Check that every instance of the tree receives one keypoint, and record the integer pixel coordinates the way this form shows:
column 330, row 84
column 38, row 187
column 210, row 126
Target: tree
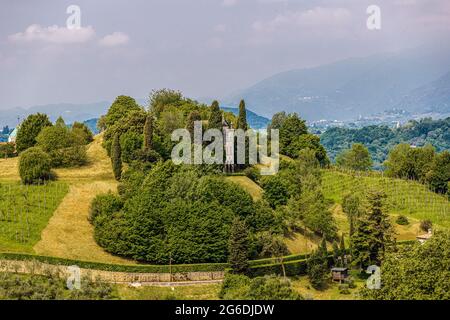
column 215, row 116
column 60, row 122
column 192, row 118
column 116, row 157
column 159, row 99
column 415, row 272
column 242, row 117
column 275, row 191
column 373, row 233
column 317, row 267
column 238, row 246
column 34, row 166
column 130, row 145
column 120, row 108
column 276, row 248
column 351, row 207
column 148, row 133
column 356, row 158
column 291, row 129
column 30, row 129
column 308, row 141
column 439, row 175
column 82, row 132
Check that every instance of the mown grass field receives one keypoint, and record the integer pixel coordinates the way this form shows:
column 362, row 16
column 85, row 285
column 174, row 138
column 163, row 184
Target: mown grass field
column 191, row 292
column 25, row 212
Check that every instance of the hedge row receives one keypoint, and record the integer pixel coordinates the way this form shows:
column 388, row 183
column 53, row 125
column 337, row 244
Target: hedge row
column 294, row 264
column 143, row 268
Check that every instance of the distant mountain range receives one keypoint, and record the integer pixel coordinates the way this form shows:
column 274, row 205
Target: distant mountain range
column 415, row 80
column 89, row 113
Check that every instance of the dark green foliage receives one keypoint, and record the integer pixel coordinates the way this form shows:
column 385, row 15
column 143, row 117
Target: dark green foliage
column 159, row 99
column 50, row 287
column 357, row 158
column 416, row 272
column 173, row 213
column 426, row 225
column 402, row 220
column 120, row 108
column 65, row 147
column 215, row 117
column 439, row 175
column 239, row 287
column 381, row 139
column 82, row 132
column 317, row 267
column 34, row 166
column 130, row 145
column 192, row 118
column 238, row 246
column 291, row 128
column 148, row 132
column 276, row 192
column 133, row 121
column 373, row 233
column 7, row 150
column 308, row 141
column 410, row 163
column 30, row 129
column 242, row 118
column 253, row 174
column 116, row 157
column 351, row 205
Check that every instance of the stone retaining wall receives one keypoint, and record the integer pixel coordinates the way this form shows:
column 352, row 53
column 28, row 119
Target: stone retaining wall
column 39, row 268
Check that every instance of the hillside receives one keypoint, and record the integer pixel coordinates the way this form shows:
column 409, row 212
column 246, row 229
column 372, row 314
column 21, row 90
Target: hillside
column 380, row 139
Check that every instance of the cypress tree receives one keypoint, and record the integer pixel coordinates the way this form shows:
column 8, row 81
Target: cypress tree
column 192, row 117
column 116, row 157
column 242, row 118
column 215, row 117
column 148, row 133
column 60, row 122
column 238, row 246
column 373, row 233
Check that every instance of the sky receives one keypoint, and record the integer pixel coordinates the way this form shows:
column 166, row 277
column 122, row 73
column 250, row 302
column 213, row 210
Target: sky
column 204, row 48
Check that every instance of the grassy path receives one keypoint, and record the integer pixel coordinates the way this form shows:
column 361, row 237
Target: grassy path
column 249, row 185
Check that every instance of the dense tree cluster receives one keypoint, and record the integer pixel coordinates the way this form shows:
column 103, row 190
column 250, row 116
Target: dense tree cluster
column 356, row 158
column 416, row 272
column 56, row 146
column 381, row 139
column 422, row 164
column 175, row 213
column 294, row 137
column 296, row 193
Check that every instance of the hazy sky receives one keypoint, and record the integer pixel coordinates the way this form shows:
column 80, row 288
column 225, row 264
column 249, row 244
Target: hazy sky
column 205, row 48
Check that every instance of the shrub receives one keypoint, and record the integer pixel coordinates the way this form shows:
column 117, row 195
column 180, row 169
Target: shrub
column 30, row 129
column 82, row 133
column 426, row 225
column 402, row 220
column 34, row 166
column 253, row 174
column 7, row 150
column 344, row 288
column 238, row 287
column 130, row 143
column 65, row 148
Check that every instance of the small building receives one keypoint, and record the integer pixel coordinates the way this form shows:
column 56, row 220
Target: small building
column 339, row 274
column 13, row 136
column 422, row 238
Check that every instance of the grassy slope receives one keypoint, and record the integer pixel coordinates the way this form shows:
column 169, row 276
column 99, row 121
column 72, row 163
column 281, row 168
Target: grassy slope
column 249, row 185
column 68, row 233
